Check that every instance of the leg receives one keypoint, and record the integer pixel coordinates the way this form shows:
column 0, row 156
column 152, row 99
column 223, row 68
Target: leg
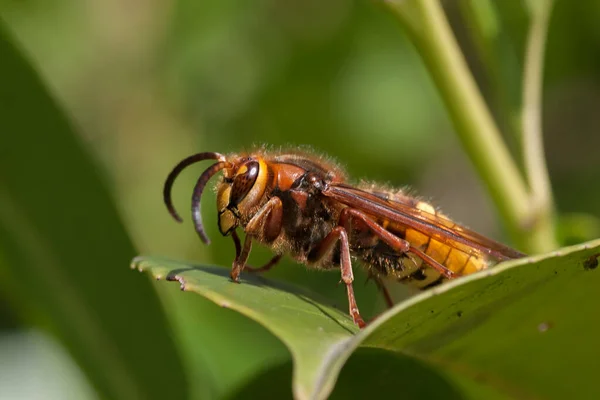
column 398, row 244
column 236, row 243
column 384, row 291
column 325, row 247
column 240, row 262
column 238, row 249
column 432, row 263
column 272, row 262
column 266, row 223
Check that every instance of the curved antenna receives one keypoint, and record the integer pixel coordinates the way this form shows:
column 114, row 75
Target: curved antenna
column 175, row 172
column 198, row 189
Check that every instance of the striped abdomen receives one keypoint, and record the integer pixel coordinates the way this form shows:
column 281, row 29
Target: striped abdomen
column 384, row 261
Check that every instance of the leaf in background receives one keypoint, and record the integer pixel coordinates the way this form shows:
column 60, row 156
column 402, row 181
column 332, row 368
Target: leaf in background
column 527, row 328
column 64, row 247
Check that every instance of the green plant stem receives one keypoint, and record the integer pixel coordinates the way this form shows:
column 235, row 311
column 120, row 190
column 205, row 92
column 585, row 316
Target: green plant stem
column 429, row 30
column 501, row 68
column 533, row 145
column 483, row 25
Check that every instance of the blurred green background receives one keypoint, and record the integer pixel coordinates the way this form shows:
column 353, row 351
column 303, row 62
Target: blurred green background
column 148, row 82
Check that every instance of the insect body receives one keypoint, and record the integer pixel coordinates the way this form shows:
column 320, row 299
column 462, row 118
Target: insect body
column 301, row 205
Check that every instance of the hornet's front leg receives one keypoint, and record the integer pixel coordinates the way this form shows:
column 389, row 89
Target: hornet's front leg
column 264, row 268
column 265, row 224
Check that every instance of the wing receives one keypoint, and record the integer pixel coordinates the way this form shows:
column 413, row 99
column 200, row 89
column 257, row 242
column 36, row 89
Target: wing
column 435, row 225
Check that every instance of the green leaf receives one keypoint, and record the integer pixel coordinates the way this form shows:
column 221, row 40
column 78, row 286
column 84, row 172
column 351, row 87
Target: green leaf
column 509, row 331
column 63, row 247
column 528, row 327
column 312, row 330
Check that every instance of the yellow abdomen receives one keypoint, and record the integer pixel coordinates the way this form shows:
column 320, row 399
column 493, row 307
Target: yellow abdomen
column 460, row 259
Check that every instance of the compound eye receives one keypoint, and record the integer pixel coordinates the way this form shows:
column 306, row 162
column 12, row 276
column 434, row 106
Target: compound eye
column 243, row 181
